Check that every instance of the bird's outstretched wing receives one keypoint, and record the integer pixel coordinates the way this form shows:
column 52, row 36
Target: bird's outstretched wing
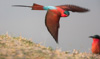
column 73, row 8
column 52, row 23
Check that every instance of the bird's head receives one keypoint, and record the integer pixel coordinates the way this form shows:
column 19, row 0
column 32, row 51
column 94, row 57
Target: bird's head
column 95, row 36
column 67, row 13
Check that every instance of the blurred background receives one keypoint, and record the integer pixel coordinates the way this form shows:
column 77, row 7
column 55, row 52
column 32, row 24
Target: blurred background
column 74, row 30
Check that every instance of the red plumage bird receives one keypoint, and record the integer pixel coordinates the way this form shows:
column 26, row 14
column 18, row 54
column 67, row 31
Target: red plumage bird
column 54, row 13
column 95, row 44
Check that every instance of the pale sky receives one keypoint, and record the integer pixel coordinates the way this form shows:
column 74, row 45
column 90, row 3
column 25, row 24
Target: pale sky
column 74, row 30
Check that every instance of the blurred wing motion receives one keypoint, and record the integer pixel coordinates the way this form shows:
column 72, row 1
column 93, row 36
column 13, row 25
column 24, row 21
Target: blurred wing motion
column 52, row 23
column 73, row 8
column 34, row 7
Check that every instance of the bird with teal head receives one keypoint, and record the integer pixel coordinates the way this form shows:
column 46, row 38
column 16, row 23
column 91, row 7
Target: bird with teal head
column 53, row 15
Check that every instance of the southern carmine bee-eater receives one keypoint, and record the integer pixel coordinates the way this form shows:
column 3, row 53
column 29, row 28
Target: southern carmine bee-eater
column 53, row 15
column 95, row 44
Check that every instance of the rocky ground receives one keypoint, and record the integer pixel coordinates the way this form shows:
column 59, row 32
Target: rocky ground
column 22, row 48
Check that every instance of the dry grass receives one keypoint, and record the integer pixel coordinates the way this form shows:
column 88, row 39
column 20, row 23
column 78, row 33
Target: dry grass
column 21, row 48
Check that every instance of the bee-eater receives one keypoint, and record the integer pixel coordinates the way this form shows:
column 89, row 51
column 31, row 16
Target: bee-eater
column 95, row 44
column 53, row 15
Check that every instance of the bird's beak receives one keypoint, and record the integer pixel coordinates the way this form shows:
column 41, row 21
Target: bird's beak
column 91, row 36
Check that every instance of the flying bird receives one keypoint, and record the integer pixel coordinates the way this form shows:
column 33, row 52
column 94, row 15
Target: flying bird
column 95, row 44
column 53, row 15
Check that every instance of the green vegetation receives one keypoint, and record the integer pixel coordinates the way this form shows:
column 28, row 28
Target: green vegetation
column 22, row 48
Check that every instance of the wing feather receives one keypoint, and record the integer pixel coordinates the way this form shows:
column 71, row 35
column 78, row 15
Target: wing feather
column 73, row 8
column 52, row 23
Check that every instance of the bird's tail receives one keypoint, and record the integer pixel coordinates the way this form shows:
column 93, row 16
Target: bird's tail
column 37, row 7
column 34, row 7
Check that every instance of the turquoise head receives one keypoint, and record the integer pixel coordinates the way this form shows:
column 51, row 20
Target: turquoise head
column 67, row 13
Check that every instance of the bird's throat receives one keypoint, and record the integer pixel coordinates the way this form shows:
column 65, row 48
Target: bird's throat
column 96, row 40
column 62, row 12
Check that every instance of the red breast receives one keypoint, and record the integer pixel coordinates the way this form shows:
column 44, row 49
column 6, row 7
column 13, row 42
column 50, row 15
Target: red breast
column 96, row 46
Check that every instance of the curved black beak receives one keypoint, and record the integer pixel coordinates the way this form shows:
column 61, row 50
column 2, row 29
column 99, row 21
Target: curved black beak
column 91, row 36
